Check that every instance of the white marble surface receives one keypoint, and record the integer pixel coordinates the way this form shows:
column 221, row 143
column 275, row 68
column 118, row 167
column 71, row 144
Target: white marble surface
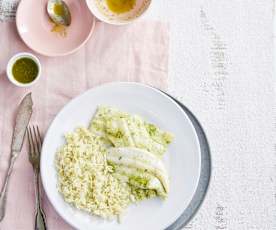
column 221, row 67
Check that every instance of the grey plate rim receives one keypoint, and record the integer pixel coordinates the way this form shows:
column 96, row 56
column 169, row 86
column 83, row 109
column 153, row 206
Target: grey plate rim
column 205, row 173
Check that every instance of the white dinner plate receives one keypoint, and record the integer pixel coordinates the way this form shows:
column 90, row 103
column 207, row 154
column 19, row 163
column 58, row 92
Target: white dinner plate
column 182, row 159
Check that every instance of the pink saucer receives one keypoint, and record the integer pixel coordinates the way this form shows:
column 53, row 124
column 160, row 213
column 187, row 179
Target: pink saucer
column 34, row 27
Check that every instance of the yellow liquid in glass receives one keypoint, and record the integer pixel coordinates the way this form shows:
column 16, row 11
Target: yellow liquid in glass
column 120, row 6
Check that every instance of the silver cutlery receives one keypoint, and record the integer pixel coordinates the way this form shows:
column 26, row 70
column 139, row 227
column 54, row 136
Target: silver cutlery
column 59, row 12
column 21, row 122
column 35, row 143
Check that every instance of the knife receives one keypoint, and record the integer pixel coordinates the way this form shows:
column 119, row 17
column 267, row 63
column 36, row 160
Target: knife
column 21, row 122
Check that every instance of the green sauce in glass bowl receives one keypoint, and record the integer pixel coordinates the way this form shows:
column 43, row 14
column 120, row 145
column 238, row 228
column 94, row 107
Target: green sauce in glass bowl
column 25, row 70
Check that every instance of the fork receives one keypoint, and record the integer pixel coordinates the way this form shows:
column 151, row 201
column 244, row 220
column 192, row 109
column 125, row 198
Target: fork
column 35, row 142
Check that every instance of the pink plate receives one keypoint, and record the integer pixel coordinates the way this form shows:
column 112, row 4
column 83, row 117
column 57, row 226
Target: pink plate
column 34, row 27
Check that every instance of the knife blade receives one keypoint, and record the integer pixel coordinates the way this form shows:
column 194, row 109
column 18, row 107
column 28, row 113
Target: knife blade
column 21, row 122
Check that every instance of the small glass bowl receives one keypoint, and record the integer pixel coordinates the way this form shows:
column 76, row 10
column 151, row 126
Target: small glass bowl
column 101, row 11
column 11, row 63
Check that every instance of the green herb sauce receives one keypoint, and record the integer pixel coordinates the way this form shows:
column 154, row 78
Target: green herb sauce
column 25, row 70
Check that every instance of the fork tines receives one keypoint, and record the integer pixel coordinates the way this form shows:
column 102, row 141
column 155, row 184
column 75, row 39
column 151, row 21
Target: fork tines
column 35, row 143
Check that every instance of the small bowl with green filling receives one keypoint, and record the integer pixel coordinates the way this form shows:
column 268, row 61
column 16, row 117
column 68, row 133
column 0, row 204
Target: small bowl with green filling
column 23, row 69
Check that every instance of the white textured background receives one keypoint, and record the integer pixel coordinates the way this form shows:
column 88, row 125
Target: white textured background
column 221, row 67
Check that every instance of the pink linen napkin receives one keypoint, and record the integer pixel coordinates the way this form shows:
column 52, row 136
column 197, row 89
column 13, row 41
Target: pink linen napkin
column 137, row 52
